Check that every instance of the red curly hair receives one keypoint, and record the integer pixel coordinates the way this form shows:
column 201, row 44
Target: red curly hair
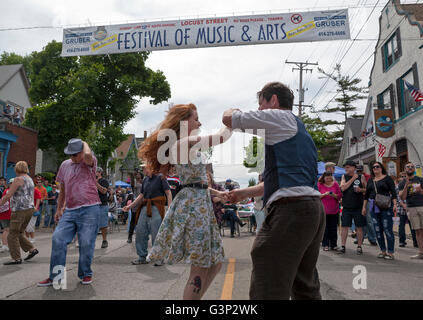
column 150, row 147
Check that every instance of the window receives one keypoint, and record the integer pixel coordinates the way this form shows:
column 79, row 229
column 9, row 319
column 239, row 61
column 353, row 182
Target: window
column 406, row 102
column 385, row 100
column 391, row 50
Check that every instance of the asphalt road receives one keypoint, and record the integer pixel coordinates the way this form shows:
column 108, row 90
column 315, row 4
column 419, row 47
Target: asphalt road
column 115, row 278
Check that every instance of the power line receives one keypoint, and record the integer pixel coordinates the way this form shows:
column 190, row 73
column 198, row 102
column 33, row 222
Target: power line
column 321, row 88
column 276, row 11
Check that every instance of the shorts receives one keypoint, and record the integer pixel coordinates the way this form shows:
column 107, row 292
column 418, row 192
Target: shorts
column 103, row 216
column 31, row 225
column 415, row 216
column 5, row 223
column 349, row 214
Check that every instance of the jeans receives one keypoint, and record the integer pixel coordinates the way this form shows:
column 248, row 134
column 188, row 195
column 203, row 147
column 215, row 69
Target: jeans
column 145, row 227
column 259, row 218
column 49, row 215
column 38, row 222
column 232, row 218
column 369, row 230
column 330, row 237
column 383, row 224
column 129, row 221
column 401, row 230
column 84, row 222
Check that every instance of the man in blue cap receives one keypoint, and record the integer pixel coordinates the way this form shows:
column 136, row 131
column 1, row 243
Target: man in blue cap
column 78, row 190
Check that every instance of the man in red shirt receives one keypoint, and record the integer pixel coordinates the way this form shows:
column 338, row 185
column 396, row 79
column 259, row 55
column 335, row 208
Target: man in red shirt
column 78, row 191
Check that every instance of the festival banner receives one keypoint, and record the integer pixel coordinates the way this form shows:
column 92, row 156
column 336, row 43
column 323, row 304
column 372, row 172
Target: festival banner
column 207, row 32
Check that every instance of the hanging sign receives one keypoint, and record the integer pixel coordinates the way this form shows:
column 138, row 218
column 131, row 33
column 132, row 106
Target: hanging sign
column 207, row 32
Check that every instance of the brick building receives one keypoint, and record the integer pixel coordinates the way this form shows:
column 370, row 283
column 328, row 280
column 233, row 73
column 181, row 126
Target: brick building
column 16, row 141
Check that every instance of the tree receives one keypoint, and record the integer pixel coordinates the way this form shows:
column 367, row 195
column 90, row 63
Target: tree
column 13, row 58
column 254, row 155
column 349, row 91
column 252, row 182
column 90, row 97
column 322, row 138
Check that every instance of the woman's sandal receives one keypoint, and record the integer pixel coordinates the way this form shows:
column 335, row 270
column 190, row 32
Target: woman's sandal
column 326, row 249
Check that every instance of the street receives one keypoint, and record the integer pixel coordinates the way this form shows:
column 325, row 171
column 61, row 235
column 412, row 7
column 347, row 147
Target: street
column 115, row 278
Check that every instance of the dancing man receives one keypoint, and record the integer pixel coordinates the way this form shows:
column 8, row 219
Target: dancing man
column 286, row 248
column 78, row 189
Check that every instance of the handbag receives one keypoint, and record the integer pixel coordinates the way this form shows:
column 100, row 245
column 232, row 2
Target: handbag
column 382, row 201
column 36, row 213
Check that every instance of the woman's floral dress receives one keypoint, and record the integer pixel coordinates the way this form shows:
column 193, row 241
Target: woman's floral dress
column 189, row 232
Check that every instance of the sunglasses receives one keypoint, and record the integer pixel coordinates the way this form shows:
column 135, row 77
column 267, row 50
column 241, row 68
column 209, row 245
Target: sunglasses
column 74, row 155
column 411, row 167
column 376, row 167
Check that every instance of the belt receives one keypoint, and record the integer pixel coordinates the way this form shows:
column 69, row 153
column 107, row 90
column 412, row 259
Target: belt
column 195, row 185
column 293, row 199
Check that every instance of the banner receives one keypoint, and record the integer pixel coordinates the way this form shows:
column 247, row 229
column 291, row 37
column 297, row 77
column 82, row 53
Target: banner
column 207, row 32
column 384, row 122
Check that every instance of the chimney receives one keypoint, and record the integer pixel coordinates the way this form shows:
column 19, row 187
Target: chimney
column 145, row 134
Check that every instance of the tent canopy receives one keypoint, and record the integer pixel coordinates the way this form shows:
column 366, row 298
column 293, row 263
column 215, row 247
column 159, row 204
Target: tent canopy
column 321, row 169
column 122, row 184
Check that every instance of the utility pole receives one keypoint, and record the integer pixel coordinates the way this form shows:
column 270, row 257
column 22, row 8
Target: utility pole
column 301, row 68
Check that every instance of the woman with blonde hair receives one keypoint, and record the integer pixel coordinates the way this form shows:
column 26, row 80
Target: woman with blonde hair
column 21, row 195
column 189, row 231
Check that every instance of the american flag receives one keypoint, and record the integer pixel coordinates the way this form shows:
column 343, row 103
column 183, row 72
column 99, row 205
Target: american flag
column 382, row 150
column 415, row 93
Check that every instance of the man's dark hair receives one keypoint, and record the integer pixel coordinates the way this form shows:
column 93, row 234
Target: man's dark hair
column 405, row 165
column 284, row 94
column 3, row 178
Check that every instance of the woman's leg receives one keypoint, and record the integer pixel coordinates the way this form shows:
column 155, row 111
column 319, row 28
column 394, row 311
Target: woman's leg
column 195, row 286
column 211, row 274
column 4, row 236
column 325, row 242
column 377, row 223
column 333, row 230
column 388, row 225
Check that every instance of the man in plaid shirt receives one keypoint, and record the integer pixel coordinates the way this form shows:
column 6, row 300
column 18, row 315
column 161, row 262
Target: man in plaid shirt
column 402, row 212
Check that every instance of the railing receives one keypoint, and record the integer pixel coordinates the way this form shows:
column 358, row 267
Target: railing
column 11, row 112
column 363, row 144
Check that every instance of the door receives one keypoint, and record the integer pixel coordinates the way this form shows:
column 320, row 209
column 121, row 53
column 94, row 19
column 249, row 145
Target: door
column 392, row 166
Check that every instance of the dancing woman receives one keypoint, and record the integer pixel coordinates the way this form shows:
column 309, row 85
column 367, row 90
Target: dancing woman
column 189, row 231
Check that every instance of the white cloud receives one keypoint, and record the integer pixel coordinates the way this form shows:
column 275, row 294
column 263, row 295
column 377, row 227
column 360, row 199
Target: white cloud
column 215, row 78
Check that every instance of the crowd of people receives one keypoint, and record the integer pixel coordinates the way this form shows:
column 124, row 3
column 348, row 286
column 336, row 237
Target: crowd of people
column 371, row 203
column 181, row 207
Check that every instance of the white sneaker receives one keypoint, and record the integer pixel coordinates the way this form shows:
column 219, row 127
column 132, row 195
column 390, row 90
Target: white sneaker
column 77, row 245
column 4, row 249
column 32, row 240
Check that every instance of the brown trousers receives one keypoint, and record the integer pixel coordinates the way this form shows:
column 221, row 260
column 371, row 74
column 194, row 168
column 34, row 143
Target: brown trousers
column 16, row 238
column 286, row 250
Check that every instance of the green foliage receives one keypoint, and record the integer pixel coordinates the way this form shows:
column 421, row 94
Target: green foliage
column 252, row 182
column 13, row 58
column 90, row 97
column 349, row 92
column 254, row 155
column 47, row 176
column 348, row 89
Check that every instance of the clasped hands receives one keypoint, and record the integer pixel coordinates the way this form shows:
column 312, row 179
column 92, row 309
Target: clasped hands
column 233, row 196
